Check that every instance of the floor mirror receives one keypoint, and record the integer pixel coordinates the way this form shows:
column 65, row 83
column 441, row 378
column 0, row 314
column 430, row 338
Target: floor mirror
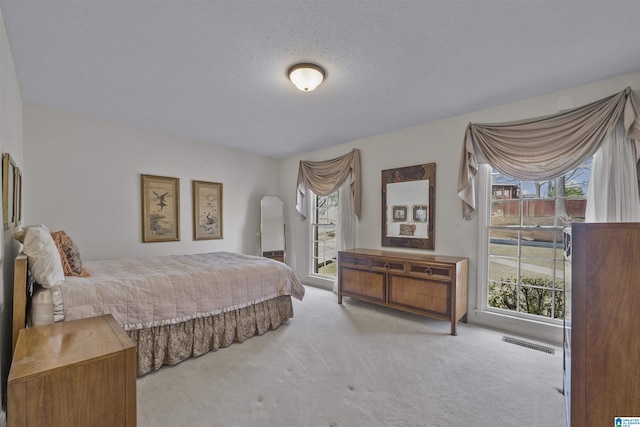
column 272, row 228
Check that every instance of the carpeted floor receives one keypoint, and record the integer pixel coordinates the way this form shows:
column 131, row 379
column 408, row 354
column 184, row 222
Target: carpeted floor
column 359, row 365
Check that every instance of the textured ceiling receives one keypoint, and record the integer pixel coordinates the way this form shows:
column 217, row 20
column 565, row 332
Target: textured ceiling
column 216, row 70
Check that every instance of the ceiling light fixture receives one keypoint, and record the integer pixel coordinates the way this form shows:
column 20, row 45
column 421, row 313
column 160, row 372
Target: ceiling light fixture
column 306, row 76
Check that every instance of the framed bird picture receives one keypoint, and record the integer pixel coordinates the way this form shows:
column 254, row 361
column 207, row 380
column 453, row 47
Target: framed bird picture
column 207, row 210
column 160, row 208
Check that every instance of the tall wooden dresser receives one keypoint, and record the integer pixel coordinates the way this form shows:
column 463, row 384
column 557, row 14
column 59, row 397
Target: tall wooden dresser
column 602, row 324
column 430, row 285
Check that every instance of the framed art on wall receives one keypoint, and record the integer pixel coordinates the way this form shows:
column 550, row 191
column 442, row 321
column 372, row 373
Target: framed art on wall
column 207, row 210
column 160, row 208
column 17, row 197
column 11, row 192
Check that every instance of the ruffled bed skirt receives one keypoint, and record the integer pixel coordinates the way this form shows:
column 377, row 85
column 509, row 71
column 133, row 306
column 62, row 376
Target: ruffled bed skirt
column 171, row 344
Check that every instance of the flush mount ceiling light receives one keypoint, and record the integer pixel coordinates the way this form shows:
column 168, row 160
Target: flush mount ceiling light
column 306, row 76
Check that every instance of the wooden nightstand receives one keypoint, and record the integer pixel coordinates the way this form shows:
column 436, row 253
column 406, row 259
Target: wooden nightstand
column 76, row 373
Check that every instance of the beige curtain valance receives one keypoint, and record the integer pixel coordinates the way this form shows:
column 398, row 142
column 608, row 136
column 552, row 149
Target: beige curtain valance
column 544, row 147
column 325, row 177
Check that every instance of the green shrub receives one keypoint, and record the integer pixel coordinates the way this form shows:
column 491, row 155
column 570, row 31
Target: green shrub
column 535, row 295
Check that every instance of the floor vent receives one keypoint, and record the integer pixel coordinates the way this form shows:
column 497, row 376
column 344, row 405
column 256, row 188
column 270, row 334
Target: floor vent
column 526, row 344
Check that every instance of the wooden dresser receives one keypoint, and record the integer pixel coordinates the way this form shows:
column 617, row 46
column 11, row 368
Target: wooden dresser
column 602, row 317
column 74, row 374
column 277, row 255
column 431, row 285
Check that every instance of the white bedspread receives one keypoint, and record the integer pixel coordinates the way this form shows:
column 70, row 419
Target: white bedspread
column 149, row 292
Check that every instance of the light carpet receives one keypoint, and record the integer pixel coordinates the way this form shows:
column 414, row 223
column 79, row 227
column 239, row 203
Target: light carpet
column 359, row 364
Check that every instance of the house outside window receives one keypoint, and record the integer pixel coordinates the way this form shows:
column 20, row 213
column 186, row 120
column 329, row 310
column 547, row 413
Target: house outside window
column 323, row 239
column 505, row 191
column 525, row 259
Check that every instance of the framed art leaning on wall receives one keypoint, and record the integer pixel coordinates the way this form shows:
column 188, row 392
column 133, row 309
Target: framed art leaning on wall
column 160, row 208
column 207, row 210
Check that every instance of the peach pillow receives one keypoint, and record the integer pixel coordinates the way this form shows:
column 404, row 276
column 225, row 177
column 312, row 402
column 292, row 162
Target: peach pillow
column 69, row 255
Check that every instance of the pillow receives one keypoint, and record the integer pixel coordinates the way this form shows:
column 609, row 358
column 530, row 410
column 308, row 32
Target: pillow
column 43, row 259
column 19, row 235
column 69, row 255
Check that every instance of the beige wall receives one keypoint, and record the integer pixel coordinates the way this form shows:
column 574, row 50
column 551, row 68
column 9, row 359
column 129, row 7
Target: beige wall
column 83, row 176
column 10, row 142
column 439, row 142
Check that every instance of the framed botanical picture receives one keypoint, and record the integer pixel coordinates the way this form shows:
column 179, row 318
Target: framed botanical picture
column 207, row 210
column 160, row 208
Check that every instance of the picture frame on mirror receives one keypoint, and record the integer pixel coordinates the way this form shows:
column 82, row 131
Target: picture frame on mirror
column 419, row 213
column 399, row 213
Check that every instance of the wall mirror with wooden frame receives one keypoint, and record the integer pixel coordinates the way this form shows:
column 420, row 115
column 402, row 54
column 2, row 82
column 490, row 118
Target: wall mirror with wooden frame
column 408, row 206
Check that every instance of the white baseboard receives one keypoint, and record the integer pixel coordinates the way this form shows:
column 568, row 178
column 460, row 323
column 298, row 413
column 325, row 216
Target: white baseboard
column 3, row 418
column 539, row 331
column 319, row 282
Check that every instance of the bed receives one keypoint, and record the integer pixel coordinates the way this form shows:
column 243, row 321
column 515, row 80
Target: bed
column 172, row 307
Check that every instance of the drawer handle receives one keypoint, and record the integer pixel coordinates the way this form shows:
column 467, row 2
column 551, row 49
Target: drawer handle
column 387, row 265
column 428, row 271
column 354, row 261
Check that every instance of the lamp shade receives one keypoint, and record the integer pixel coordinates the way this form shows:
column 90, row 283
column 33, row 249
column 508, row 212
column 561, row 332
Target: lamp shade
column 306, row 76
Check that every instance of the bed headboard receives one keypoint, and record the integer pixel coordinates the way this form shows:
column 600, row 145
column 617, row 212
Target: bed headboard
column 20, row 290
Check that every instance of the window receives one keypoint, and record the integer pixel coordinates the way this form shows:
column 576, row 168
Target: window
column 323, row 228
column 525, row 260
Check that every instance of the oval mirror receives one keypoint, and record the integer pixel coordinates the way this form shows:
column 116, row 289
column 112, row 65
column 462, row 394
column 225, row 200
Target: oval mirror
column 272, row 231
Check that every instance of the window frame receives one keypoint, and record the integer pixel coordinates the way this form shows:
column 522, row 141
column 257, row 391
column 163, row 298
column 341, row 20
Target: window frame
column 542, row 331
column 519, row 257
column 314, row 225
column 545, row 328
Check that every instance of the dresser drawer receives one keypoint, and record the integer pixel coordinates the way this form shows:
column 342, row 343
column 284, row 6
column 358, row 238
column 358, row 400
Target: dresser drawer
column 273, row 254
column 361, row 283
column 388, row 265
column 430, row 271
column 420, row 294
column 354, row 261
